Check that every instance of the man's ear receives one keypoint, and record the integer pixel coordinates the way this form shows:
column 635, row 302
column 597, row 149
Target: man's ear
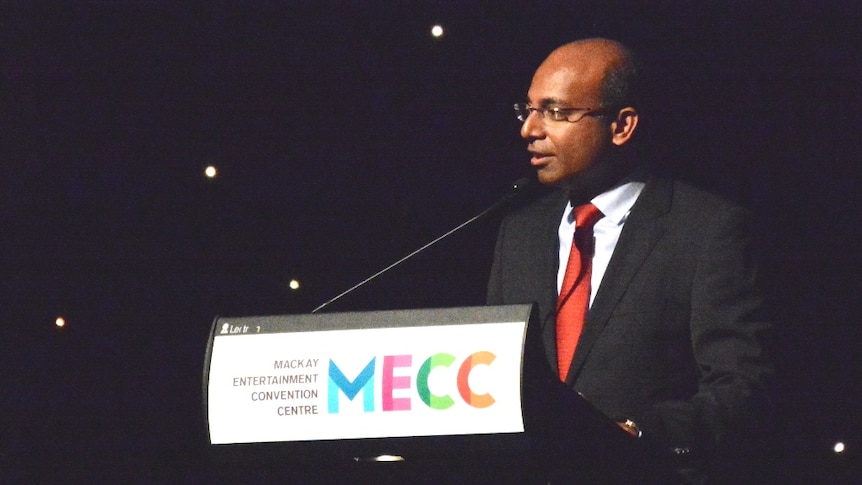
column 624, row 126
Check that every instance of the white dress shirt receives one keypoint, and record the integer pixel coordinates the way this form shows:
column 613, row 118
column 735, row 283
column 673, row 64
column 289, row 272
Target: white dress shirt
column 615, row 204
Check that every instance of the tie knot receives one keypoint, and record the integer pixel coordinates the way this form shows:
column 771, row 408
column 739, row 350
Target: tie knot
column 586, row 216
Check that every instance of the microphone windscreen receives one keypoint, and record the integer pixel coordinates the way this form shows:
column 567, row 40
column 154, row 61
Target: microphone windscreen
column 522, row 184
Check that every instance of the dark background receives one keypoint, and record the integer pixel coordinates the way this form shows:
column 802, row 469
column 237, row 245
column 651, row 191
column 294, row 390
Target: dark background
column 345, row 137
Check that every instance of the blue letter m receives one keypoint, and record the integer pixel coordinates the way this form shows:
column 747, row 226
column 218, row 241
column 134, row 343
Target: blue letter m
column 364, row 382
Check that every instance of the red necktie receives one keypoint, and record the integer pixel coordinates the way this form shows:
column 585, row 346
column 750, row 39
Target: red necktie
column 575, row 291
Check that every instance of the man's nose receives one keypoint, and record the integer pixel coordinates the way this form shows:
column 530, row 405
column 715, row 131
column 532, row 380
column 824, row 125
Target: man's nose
column 533, row 127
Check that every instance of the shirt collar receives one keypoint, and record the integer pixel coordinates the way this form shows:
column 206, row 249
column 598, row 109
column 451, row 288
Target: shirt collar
column 617, row 202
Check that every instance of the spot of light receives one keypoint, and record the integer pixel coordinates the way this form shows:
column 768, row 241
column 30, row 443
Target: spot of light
column 389, row 458
column 294, row 285
column 437, row 31
column 211, row 172
column 838, row 448
column 60, row 322
column 380, row 458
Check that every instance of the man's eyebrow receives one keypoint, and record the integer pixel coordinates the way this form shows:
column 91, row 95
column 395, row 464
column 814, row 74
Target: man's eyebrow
column 545, row 102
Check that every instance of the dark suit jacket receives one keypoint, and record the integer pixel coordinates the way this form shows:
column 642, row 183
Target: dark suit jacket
column 673, row 338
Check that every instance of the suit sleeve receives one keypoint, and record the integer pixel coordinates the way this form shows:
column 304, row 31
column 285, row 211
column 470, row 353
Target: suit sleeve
column 728, row 331
column 495, row 280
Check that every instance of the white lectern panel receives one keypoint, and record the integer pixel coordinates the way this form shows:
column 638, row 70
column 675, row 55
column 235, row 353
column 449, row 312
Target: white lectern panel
column 334, row 377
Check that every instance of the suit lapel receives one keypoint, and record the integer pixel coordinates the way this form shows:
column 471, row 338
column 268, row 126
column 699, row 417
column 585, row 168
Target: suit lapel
column 551, row 250
column 641, row 232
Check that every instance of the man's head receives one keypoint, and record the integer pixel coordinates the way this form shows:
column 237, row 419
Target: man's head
column 589, row 83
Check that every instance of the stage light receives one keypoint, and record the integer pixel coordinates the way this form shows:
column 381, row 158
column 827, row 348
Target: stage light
column 210, row 172
column 60, row 322
column 294, row 285
column 838, row 448
column 380, row 458
column 389, row 458
column 437, row 31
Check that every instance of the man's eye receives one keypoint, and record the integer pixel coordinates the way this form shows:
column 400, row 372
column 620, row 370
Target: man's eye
column 556, row 114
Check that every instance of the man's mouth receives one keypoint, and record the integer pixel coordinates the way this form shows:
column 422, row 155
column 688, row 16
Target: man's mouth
column 540, row 159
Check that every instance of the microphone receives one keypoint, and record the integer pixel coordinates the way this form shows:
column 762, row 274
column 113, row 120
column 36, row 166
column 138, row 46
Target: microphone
column 517, row 190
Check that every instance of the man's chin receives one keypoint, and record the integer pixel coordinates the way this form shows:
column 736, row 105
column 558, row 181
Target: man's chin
column 549, row 177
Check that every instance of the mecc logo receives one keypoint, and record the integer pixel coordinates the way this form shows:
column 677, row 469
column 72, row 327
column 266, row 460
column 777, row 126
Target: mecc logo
column 365, row 382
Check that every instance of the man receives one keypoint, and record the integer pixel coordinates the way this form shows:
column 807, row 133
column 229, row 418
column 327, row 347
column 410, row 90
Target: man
column 670, row 343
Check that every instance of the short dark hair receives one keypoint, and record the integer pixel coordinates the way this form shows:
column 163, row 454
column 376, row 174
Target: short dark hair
column 622, row 83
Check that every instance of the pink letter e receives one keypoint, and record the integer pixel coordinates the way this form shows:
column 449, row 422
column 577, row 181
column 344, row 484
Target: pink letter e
column 391, row 382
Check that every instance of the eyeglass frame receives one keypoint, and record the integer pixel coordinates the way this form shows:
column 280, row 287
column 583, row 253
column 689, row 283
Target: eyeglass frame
column 520, row 108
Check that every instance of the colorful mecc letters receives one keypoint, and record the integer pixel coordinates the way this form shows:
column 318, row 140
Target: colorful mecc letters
column 364, row 382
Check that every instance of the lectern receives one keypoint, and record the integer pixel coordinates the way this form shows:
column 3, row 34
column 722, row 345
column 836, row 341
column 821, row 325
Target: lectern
column 455, row 394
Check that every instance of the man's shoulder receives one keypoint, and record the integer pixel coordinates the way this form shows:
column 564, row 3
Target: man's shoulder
column 688, row 192
column 682, row 206
column 682, row 195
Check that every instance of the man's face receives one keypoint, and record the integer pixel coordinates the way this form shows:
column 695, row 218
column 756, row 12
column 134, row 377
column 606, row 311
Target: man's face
column 562, row 149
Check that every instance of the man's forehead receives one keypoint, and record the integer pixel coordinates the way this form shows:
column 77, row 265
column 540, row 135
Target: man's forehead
column 563, row 85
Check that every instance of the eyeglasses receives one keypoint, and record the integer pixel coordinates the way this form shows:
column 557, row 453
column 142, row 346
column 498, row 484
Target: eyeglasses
column 572, row 115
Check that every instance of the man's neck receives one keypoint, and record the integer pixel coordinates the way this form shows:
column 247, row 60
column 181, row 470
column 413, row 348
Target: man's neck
column 600, row 178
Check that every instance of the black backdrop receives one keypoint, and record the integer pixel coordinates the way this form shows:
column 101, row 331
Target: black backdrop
column 345, row 137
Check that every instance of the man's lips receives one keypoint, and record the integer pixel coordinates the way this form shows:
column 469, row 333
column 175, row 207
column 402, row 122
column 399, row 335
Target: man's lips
column 540, row 158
